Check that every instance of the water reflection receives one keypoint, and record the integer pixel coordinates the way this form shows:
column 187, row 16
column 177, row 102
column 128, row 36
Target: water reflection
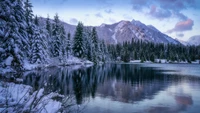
column 132, row 87
column 120, row 82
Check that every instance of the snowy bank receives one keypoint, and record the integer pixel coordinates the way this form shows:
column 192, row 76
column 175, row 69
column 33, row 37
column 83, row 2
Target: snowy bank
column 163, row 61
column 15, row 98
column 51, row 62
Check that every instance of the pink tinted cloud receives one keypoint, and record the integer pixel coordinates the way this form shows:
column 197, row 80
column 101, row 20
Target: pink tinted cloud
column 182, row 26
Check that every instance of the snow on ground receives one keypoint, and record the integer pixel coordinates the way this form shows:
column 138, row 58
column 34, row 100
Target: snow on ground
column 135, row 61
column 12, row 94
column 8, row 61
column 6, row 70
column 165, row 61
column 51, row 62
column 19, row 98
column 43, row 103
column 70, row 60
column 160, row 60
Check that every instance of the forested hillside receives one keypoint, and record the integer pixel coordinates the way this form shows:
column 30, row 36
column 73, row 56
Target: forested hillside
column 24, row 44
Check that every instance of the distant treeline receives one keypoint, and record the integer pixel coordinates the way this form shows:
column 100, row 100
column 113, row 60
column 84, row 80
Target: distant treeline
column 148, row 51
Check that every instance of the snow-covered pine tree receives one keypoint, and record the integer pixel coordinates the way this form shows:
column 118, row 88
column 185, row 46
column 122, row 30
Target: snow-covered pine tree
column 48, row 26
column 39, row 47
column 56, row 39
column 13, row 34
column 63, row 40
column 95, row 48
column 68, row 45
column 78, row 41
column 30, row 28
column 104, row 51
column 87, row 43
column 49, row 36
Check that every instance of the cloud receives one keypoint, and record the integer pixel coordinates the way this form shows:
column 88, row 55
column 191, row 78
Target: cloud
column 165, row 8
column 176, row 5
column 182, row 26
column 109, row 11
column 181, row 16
column 159, row 13
column 104, row 3
column 99, row 15
column 139, row 4
column 180, row 35
column 73, row 21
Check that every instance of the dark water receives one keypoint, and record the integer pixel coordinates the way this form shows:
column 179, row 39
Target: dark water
column 124, row 88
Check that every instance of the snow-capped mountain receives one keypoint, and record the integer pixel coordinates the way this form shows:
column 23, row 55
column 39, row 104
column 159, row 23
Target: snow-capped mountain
column 195, row 40
column 182, row 42
column 125, row 31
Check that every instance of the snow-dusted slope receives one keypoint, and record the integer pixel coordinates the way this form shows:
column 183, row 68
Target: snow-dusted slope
column 68, row 28
column 195, row 40
column 183, row 42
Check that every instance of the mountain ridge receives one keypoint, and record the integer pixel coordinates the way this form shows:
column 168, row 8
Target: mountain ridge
column 123, row 31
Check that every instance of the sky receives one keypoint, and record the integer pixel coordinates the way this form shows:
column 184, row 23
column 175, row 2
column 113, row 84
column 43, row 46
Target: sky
column 177, row 18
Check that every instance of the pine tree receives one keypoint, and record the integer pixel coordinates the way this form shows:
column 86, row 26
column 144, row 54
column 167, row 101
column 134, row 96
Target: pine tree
column 48, row 26
column 49, row 36
column 63, row 40
column 95, row 48
column 78, row 41
column 30, row 28
column 39, row 48
column 56, row 38
column 68, row 47
column 13, row 33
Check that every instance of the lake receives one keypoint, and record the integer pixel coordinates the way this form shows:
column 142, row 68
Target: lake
column 116, row 88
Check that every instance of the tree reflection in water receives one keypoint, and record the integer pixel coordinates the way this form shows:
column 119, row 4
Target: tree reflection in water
column 119, row 82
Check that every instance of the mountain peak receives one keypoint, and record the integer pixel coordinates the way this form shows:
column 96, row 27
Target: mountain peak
column 126, row 31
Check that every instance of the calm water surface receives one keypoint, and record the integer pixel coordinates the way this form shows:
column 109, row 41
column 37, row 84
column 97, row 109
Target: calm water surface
column 124, row 88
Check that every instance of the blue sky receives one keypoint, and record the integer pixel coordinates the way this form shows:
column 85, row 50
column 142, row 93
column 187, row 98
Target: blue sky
column 177, row 18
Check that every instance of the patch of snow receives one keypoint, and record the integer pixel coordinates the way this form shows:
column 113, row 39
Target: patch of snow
column 13, row 94
column 170, row 40
column 135, row 61
column 196, row 62
column 6, row 70
column 102, row 25
column 1, row 50
column 29, row 66
column 57, row 61
column 134, row 31
column 20, row 96
column 8, row 61
column 161, row 60
column 110, row 30
column 19, row 80
column 114, row 38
